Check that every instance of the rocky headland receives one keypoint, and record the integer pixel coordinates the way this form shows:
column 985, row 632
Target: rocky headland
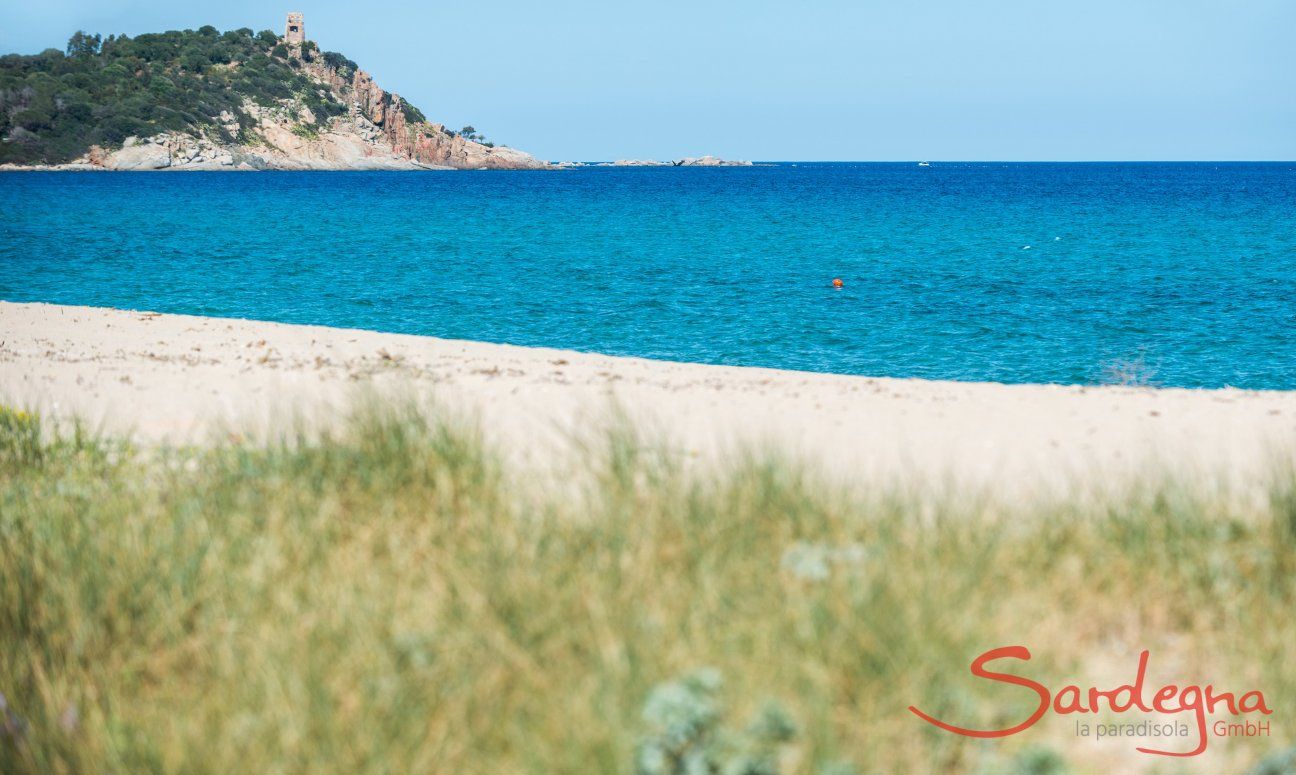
column 285, row 105
column 237, row 100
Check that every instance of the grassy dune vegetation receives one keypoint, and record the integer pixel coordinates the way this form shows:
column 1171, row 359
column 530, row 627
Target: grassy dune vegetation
column 393, row 598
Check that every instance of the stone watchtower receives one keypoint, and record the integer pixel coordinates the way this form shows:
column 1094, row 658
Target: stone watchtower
column 295, row 30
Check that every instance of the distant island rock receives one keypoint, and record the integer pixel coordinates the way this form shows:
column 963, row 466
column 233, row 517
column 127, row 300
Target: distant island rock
column 194, row 100
column 709, row 161
column 689, row 161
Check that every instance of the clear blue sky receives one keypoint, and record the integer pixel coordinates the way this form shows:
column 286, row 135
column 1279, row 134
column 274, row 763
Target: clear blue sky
column 808, row 79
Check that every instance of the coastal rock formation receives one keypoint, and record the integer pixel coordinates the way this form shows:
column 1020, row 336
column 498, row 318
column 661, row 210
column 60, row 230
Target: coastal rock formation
column 163, row 151
column 136, row 156
column 381, row 117
column 284, row 104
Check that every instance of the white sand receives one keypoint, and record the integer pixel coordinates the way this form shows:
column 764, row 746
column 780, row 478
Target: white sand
column 181, row 378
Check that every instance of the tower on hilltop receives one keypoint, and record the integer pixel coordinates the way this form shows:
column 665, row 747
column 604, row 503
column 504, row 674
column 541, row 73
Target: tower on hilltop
column 295, row 29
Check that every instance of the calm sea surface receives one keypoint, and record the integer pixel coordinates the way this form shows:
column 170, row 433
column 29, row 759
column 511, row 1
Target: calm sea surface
column 1182, row 274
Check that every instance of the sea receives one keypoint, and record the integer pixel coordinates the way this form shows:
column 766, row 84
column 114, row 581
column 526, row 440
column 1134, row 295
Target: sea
column 1169, row 274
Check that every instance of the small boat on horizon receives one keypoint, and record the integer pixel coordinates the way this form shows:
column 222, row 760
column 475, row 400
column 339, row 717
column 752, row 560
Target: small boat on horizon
column 923, row 164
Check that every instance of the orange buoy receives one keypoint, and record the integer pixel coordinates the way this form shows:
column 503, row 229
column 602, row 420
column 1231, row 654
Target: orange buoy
column 837, row 283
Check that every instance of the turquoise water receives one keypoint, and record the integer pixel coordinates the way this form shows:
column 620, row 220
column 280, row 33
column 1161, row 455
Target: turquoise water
column 1007, row 272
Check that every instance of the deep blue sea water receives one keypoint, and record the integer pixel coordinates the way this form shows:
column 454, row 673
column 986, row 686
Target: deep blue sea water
column 972, row 271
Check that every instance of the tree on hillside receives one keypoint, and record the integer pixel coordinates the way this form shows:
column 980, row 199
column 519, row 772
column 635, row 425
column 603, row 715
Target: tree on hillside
column 83, row 45
column 470, row 133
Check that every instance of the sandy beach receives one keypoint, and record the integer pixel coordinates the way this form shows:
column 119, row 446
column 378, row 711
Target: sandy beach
column 180, row 378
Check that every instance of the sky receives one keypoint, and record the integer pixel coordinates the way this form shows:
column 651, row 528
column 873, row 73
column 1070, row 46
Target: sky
column 795, row 80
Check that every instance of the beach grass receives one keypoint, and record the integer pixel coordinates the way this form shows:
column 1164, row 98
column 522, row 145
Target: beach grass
column 391, row 596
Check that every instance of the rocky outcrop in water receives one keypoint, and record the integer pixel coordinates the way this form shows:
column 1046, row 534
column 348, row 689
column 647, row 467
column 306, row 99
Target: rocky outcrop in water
column 688, row 161
column 708, row 161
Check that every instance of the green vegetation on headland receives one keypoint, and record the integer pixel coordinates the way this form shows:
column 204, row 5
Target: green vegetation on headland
column 393, row 597
column 57, row 104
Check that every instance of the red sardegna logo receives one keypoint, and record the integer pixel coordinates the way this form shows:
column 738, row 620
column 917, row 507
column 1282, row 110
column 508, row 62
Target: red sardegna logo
column 1133, row 697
